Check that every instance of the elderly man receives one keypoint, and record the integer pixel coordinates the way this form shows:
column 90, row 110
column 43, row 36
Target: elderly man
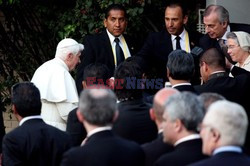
column 97, row 111
column 183, row 113
column 223, row 132
column 33, row 142
column 217, row 24
column 56, row 85
column 153, row 150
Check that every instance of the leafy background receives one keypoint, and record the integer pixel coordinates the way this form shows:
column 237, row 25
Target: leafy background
column 31, row 29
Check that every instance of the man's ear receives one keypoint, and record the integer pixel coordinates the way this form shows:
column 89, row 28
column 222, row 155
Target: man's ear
column 69, row 56
column 79, row 115
column 151, row 113
column 215, row 135
column 168, row 73
column 178, row 125
column 115, row 116
column 105, row 23
column 185, row 19
column 13, row 108
column 224, row 24
column 84, row 84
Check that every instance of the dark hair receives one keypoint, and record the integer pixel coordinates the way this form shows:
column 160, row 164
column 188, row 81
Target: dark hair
column 128, row 72
column 178, row 3
column 97, row 70
column 180, row 65
column 115, row 7
column 213, row 58
column 25, row 97
column 140, row 61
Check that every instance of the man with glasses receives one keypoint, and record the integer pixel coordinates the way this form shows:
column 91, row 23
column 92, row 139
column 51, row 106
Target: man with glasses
column 183, row 113
column 217, row 25
column 223, row 132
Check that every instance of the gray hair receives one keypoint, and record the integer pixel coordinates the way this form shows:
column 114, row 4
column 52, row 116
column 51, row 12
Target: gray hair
column 208, row 98
column 232, row 35
column 222, row 13
column 186, row 107
column 67, row 46
column 241, row 38
column 98, row 106
column 230, row 119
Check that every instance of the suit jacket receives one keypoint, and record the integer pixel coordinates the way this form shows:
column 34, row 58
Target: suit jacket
column 105, row 149
column 188, row 88
column 35, row 143
column 206, row 42
column 235, row 89
column 184, row 153
column 75, row 128
column 2, row 128
column 225, row 158
column 134, row 122
column 97, row 49
column 156, row 49
column 153, row 150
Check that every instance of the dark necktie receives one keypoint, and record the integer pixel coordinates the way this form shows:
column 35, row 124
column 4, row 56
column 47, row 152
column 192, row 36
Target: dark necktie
column 178, row 45
column 119, row 52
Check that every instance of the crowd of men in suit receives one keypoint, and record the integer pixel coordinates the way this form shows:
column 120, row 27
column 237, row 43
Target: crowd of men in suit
column 125, row 114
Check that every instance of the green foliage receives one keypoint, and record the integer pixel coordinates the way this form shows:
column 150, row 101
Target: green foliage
column 32, row 28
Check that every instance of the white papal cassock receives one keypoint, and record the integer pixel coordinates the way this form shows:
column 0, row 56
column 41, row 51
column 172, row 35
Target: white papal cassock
column 58, row 92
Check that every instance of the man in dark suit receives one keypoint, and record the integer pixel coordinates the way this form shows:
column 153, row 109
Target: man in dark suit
column 180, row 70
column 33, row 142
column 223, row 132
column 217, row 24
column 216, row 79
column 134, row 122
column 101, row 48
column 158, row 45
column 183, row 113
column 153, row 150
column 94, row 74
column 97, row 111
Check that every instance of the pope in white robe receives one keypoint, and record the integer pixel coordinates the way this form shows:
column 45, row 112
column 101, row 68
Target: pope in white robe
column 57, row 87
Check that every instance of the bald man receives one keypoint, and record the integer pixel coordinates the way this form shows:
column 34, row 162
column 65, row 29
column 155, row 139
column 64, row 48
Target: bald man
column 153, row 150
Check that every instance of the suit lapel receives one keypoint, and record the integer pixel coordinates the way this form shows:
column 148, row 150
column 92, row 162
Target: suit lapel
column 106, row 43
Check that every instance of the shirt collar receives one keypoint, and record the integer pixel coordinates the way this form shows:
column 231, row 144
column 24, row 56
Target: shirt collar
column 160, row 131
column 225, row 34
column 98, row 129
column 227, row 149
column 218, row 72
column 28, row 118
column 182, row 35
column 112, row 38
column 187, row 83
column 187, row 138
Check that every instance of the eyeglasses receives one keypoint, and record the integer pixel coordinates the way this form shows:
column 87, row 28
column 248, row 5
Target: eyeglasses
column 232, row 46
